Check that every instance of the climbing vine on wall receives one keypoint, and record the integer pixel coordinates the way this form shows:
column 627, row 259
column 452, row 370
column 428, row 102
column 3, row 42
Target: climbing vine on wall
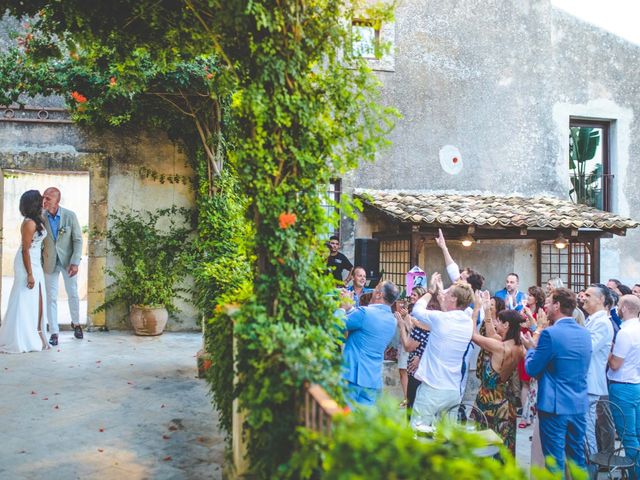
column 301, row 111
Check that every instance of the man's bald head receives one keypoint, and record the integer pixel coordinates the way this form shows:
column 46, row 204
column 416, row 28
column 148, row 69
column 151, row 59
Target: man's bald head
column 54, row 192
column 51, row 200
column 629, row 307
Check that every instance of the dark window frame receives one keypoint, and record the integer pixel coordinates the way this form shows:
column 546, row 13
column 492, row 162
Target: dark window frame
column 607, row 176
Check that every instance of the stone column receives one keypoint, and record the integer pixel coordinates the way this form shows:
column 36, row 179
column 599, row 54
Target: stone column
column 98, row 211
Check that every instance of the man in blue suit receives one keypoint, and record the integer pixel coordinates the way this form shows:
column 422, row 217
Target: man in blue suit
column 560, row 362
column 370, row 330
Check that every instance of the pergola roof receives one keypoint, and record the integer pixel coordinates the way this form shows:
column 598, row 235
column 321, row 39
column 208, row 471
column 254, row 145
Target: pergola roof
column 492, row 211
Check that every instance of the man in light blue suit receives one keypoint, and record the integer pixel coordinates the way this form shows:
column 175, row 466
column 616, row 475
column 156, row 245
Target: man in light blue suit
column 370, row 330
column 61, row 254
column 560, row 362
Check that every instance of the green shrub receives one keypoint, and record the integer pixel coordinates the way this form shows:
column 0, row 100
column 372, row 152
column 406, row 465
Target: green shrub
column 153, row 258
column 222, row 276
column 377, row 443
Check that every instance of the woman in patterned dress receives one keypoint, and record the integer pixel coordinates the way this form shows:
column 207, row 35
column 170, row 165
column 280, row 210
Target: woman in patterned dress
column 502, row 350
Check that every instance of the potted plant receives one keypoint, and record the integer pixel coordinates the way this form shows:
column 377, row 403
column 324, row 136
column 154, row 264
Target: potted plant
column 154, row 251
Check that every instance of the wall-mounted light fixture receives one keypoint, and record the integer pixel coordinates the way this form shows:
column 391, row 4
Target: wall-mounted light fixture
column 467, row 240
column 560, row 242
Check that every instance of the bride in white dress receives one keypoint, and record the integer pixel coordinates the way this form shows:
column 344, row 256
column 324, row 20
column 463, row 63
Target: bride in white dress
column 25, row 320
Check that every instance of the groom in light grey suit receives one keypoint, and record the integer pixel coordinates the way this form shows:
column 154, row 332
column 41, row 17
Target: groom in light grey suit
column 61, row 253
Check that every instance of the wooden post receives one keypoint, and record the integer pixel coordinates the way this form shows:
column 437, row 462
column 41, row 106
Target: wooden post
column 238, row 444
column 416, row 245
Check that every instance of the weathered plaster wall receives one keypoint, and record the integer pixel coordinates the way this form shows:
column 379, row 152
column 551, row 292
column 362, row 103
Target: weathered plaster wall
column 596, row 76
column 499, row 80
column 494, row 259
column 114, row 162
column 460, row 80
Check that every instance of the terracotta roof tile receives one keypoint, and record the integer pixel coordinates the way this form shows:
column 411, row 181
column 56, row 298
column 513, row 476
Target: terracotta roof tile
column 490, row 210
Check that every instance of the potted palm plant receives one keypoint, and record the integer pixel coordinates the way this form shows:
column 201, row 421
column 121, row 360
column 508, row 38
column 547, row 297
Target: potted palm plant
column 153, row 249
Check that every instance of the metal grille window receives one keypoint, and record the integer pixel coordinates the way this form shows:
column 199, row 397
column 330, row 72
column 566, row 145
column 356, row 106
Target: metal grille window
column 330, row 199
column 395, row 260
column 573, row 265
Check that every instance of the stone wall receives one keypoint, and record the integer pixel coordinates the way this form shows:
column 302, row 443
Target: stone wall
column 113, row 162
column 499, row 80
column 596, row 76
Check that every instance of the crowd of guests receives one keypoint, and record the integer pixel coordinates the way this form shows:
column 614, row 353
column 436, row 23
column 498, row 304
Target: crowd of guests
column 550, row 353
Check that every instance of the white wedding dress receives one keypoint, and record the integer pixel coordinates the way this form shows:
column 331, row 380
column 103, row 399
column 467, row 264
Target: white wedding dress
column 19, row 330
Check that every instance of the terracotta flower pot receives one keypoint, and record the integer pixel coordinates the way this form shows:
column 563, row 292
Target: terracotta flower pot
column 148, row 320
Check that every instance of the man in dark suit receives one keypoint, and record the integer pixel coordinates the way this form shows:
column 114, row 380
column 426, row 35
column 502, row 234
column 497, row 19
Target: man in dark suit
column 560, row 362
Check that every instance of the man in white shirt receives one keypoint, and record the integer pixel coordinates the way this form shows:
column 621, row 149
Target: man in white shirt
column 624, row 375
column 601, row 331
column 440, row 366
column 476, row 280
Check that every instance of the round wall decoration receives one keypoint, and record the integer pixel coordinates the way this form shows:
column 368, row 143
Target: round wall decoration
column 450, row 159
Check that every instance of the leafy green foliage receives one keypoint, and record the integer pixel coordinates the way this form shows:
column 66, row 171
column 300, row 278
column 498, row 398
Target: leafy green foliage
column 585, row 186
column 300, row 113
column 222, row 275
column 302, row 116
column 184, row 98
column 153, row 259
column 377, row 443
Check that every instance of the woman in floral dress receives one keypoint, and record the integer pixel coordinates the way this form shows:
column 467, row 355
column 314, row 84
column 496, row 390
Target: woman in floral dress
column 502, row 350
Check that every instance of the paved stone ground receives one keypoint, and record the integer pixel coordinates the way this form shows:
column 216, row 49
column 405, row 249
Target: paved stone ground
column 112, row 406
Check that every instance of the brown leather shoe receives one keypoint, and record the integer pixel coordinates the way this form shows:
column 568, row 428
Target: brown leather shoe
column 77, row 331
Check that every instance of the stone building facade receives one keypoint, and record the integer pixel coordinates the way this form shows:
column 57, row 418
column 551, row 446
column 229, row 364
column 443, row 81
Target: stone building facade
column 501, row 81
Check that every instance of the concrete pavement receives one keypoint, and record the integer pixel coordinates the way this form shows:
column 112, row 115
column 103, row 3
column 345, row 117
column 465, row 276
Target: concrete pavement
column 111, row 406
